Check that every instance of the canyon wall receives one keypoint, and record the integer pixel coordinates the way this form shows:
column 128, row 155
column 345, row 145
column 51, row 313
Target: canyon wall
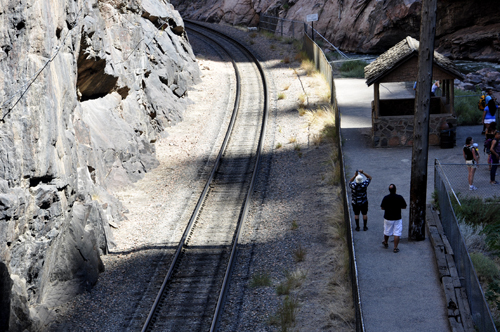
column 86, row 88
column 464, row 29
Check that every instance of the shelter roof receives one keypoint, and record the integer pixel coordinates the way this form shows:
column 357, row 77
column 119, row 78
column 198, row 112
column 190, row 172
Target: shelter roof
column 400, row 53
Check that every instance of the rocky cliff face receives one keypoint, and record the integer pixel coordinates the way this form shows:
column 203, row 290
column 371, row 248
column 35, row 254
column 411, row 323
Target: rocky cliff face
column 86, row 87
column 464, row 30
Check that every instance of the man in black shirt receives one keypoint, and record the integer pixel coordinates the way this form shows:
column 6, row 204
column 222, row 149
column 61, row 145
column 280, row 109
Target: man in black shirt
column 393, row 223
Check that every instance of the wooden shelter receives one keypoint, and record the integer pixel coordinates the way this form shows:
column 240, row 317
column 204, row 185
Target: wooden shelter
column 392, row 119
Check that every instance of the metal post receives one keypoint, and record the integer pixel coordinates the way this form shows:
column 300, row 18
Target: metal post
column 281, row 28
column 312, row 31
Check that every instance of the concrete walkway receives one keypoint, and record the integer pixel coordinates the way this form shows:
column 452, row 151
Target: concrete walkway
column 399, row 291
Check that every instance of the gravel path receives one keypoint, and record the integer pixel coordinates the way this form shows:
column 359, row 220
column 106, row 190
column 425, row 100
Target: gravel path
column 292, row 233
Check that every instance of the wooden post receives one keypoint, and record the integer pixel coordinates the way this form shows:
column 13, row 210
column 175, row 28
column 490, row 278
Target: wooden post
column 418, row 186
column 376, row 99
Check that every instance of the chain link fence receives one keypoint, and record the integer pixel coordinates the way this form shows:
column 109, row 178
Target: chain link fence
column 450, row 182
column 455, row 177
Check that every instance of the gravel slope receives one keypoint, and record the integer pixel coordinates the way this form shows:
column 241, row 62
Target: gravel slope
column 296, row 208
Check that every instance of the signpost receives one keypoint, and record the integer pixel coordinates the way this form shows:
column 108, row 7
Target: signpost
column 312, row 18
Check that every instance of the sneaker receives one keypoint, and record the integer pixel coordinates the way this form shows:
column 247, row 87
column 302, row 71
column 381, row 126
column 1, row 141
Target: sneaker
column 494, row 182
column 472, row 188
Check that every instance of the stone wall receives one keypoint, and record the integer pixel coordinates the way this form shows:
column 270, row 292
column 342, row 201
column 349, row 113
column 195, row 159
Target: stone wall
column 392, row 131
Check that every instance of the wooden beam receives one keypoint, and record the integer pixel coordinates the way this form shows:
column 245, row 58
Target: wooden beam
column 418, row 186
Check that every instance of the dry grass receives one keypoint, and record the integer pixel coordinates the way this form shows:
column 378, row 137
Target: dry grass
column 253, row 34
column 286, row 59
column 299, row 254
column 285, row 316
column 292, row 281
column 301, row 56
column 340, row 311
column 292, row 139
column 279, row 145
column 286, row 87
column 281, row 95
column 321, row 123
column 309, row 67
column 302, row 100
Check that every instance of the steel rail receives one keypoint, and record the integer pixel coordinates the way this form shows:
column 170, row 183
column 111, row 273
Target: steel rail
column 149, row 319
column 232, row 258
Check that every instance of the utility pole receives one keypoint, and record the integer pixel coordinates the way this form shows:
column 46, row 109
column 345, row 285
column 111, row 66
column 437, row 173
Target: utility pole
column 418, row 187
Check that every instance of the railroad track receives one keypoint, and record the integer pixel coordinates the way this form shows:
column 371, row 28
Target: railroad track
column 192, row 295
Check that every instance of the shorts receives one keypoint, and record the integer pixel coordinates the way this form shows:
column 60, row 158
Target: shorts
column 363, row 208
column 393, row 227
column 470, row 163
column 488, row 121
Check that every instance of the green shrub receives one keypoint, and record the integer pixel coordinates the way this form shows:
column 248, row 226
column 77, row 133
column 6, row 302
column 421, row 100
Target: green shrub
column 435, row 199
column 485, row 266
column 466, row 107
column 475, row 211
column 260, row 279
column 354, row 68
column 493, row 237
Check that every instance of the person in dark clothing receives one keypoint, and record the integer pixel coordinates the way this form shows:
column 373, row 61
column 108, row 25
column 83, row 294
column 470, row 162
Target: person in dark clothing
column 471, row 160
column 393, row 223
column 495, row 157
column 358, row 185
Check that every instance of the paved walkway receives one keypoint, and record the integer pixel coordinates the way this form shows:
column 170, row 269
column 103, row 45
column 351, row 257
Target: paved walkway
column 399, row 292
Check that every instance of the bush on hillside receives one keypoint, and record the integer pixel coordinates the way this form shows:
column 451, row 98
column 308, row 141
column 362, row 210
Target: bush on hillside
column 466, row 107
column 354, row 69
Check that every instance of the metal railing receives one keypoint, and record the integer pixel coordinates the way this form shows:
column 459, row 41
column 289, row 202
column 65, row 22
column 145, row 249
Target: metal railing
column 294, row 29
column 282, row 26
column 480, row 311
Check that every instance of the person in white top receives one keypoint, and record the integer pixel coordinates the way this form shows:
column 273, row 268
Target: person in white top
column 435, row 86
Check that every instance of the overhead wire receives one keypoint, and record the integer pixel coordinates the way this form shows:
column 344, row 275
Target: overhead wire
column 27, row 85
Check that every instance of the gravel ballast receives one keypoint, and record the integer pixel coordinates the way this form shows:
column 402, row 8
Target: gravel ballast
column 292, row 232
